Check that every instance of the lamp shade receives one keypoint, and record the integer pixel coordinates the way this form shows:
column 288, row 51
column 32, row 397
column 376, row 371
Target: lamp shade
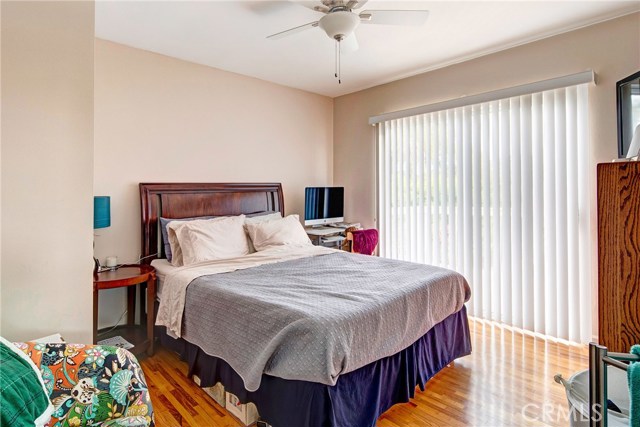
column 101, row 211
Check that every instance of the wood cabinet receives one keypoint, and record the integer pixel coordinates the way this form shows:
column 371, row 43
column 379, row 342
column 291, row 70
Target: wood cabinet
column 619, row 255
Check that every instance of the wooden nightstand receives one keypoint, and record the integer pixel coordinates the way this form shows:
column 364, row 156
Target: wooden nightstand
column 128, row 276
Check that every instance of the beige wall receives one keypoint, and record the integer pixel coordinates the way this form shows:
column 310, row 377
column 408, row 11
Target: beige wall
column 163, row 119
column 611, row 49
column 47, row 169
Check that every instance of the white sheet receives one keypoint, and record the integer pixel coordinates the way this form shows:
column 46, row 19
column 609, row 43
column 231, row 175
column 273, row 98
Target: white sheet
column 176, row 281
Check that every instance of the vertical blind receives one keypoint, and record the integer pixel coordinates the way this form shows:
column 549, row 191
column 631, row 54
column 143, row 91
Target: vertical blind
column 499, row 192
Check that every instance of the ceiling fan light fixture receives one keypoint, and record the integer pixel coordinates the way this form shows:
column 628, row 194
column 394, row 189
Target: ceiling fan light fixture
column 340, row 22
column 339, row 25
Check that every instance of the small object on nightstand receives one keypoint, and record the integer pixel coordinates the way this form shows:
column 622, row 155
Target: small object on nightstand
column 128, row 276
column 111, row 262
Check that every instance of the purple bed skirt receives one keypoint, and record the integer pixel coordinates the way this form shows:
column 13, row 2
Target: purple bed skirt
column 358, row 398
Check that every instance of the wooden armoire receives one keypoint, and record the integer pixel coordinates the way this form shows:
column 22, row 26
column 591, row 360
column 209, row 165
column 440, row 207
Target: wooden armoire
column 619, row 255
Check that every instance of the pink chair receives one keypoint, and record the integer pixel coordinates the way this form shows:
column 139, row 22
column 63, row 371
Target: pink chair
column 363, row 241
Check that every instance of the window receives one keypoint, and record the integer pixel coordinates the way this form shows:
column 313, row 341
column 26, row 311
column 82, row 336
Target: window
column 498, row 191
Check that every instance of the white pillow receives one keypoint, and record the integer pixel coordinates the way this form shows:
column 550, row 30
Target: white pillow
column 177, row 258
column 176, row 251
column 210, row 239
column 277, row 232
column 257, row 219
column 263, row 218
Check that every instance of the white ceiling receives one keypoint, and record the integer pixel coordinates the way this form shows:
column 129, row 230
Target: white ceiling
column 230, row 35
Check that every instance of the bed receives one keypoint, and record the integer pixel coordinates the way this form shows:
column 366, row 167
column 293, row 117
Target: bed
column 367, row 365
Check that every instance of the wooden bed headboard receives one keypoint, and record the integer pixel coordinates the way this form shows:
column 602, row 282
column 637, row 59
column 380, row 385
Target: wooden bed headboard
column 184, row 200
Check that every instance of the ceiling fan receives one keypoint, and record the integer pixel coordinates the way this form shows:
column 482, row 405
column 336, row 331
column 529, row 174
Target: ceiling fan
column 340, row 21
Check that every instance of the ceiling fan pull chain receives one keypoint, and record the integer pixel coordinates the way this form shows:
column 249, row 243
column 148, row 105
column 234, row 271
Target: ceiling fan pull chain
column 339, row 64
column 336, row 60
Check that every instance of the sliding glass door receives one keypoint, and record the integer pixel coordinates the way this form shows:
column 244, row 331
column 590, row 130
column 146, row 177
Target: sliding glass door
column 499, row 192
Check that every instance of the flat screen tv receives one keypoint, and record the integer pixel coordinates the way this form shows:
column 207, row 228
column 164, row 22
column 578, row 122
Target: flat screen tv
column 628, row 97
column 323, row 205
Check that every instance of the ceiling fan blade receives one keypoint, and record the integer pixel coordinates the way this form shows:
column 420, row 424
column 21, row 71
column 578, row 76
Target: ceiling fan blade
column 266, row 7
column 294, row 30
column 313, row 5
column 356, row 4
column 394, row 17
column 350, row 44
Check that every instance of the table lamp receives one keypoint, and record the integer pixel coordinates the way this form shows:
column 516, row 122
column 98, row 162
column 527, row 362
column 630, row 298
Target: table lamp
column 101, row 219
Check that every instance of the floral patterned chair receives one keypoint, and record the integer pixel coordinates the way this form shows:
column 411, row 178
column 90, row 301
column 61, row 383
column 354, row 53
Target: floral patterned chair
column 92, row 385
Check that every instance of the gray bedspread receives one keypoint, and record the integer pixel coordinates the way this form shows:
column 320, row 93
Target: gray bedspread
column 316, row 318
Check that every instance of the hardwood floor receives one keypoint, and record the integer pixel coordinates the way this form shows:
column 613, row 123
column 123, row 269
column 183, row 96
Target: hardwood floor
column 506, row 381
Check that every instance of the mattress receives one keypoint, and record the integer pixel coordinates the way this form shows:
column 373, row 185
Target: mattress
column 163, row 267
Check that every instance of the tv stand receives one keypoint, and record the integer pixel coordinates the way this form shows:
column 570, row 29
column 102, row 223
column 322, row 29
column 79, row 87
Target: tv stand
column 344, row 225
column 338, row 225
column 322, row 230
column 326, row 235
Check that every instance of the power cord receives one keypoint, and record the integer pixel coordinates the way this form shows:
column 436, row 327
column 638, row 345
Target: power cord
column 102, row 268
column 116, row 325
column 148, row 256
